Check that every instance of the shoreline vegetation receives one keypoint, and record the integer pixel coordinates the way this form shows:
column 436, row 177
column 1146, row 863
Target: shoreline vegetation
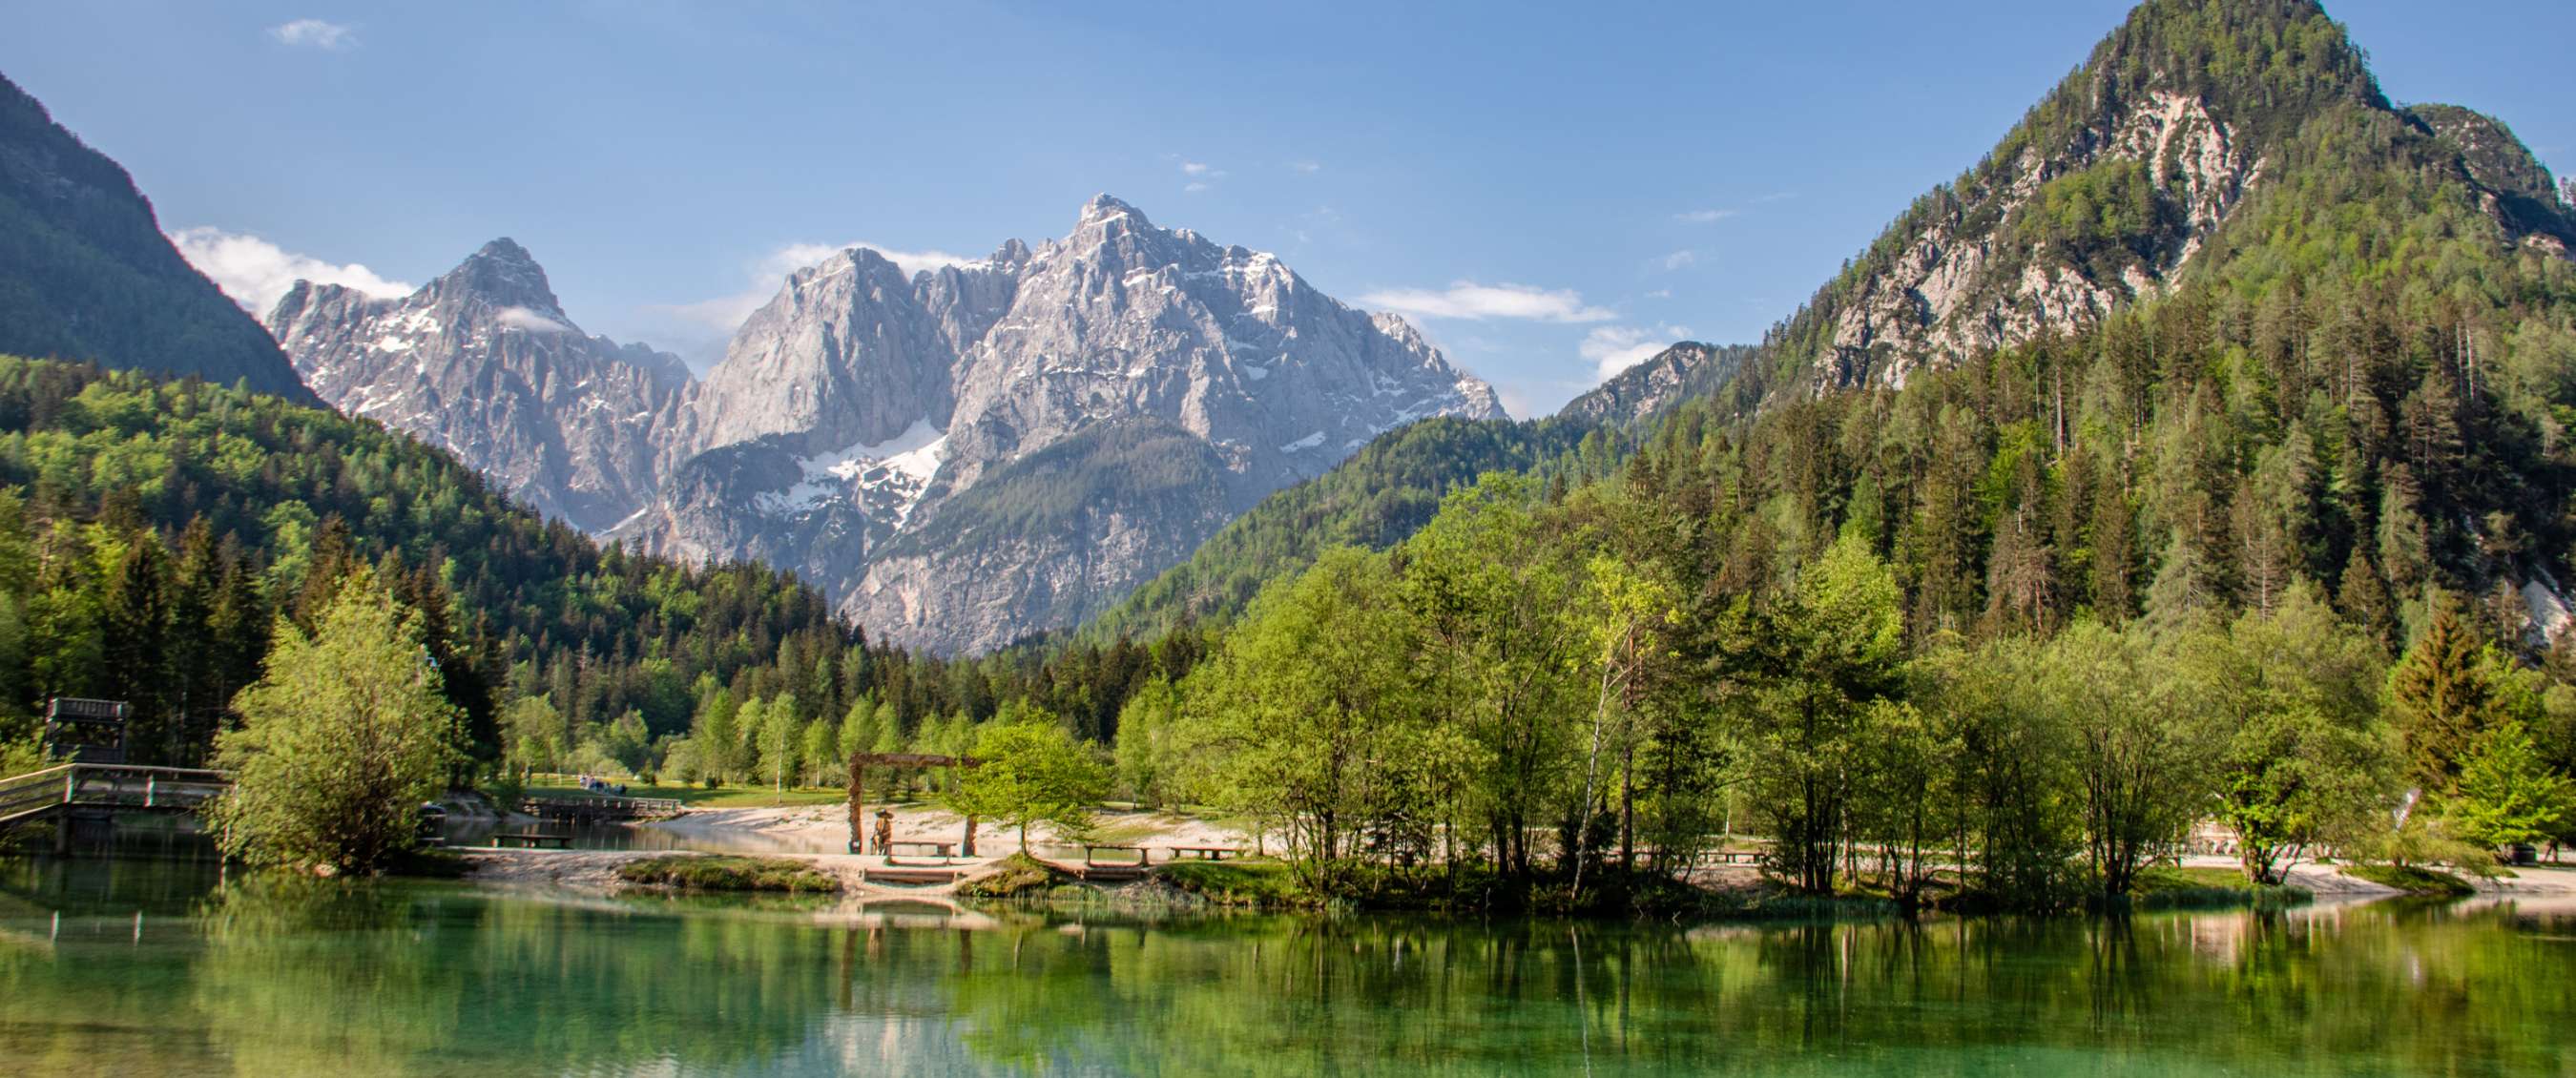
column 1053, row 876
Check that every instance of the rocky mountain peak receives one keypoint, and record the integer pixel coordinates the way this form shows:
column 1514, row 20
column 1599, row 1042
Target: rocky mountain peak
column 1005, row 446
column 2101, row 195
column 484, row 362
column 1105, row 206
column 503, row 274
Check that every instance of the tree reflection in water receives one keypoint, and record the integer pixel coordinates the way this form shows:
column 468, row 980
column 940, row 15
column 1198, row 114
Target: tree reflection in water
column 281, row 975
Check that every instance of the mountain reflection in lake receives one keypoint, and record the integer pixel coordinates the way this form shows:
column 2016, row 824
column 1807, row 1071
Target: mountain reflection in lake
column 165, row 967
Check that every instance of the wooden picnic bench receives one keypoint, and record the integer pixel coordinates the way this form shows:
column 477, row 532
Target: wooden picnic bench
column 531, row 840
column 1091, row 855
column 1206, row 853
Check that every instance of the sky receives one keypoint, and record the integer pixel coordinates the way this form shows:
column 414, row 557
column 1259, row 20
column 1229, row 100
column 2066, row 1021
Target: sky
column 1548, row 192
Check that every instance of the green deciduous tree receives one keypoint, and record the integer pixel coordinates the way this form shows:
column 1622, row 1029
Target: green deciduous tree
column 1810, row 670
column 1033, row 771
column 2507, row 794
column 1311, row 700
column 342, row 738
column 2288, row 706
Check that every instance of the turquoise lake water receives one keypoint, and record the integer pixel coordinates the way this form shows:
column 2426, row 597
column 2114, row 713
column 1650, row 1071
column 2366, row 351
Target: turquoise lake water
column 143, row 967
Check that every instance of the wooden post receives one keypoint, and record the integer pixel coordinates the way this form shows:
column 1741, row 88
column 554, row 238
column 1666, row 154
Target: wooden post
column 858, row 805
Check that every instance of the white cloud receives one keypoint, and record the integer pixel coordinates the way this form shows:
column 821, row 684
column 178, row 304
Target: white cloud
column 315, row 34
column 1469, row 300
column 1704, row 217
column 1194, row 187
column 1308, row 167
column 910, row 262
column 768, row 273
column 255, row 272
column 1678, row 259
column 1198, row 168
column 522, row 318
column 1611, row 349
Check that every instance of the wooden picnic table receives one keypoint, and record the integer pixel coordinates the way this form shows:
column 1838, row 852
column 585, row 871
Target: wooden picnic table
column 530, row 840
column 1090, row 855
column 1207, row 853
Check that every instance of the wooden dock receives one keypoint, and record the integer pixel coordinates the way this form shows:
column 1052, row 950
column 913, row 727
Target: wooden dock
column 599, row 809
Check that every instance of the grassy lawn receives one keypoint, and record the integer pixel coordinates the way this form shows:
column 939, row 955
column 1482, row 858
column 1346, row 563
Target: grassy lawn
column 2411, row 879
column 701, row 797
column 1236, row 883
column 1014, row 876
column 2169, row 887
column 726, row 872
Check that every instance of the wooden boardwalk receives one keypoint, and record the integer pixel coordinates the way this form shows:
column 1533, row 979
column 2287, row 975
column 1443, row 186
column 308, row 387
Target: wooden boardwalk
column 78, row 791
column 599, row 809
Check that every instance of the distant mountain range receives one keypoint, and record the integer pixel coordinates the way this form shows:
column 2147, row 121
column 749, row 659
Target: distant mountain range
column 959, row 457
column 1132, row 426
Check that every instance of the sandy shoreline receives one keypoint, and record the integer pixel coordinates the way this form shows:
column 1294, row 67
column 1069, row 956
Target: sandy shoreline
column 801, row 832
column 804, row 832
column 815, row 828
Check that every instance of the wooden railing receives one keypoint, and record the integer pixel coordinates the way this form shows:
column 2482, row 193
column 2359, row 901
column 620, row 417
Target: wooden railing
column 36, row 794
column 599, row 809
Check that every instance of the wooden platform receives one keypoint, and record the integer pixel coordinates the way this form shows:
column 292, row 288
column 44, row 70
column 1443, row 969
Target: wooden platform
column 912, row 874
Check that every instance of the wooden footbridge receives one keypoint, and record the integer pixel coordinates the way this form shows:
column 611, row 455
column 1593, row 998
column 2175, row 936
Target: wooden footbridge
column 600, row 809
column 72, row 795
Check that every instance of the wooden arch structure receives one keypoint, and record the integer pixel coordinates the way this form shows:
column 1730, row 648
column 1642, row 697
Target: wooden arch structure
column 860, row 762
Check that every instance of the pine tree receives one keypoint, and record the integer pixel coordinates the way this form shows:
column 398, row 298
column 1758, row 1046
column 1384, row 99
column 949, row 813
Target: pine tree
column 2441, row 697
column 2363, row 601
column 134, row 640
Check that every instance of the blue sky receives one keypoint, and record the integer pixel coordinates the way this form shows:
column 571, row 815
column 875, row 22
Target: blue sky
column 1545, row 190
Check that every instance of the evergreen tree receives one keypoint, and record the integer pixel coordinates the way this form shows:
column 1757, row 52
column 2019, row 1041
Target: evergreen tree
column 2440, row 697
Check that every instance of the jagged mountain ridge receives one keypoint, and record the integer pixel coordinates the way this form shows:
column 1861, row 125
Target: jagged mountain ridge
column 483, row 362
column 86, row 274
column 911, row 442
column 941, row 416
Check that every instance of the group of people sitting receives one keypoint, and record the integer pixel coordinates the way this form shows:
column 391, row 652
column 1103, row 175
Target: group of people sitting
column 602, row 786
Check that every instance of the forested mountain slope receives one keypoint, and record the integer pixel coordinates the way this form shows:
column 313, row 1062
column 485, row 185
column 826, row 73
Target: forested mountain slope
column 2361, row 377
column 2269, row 538
column 2115, row 186
column 1390, row 488
column 2192, row 138
column 151, row 530
column 85, row 273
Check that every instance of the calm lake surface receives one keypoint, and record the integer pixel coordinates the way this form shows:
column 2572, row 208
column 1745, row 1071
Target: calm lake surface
column 141, row 967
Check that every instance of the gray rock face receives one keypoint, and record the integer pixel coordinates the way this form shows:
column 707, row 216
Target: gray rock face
column 959, row 457
column 1958, row 288
column 966, row 422
column 484, row 363
column 1658, row 383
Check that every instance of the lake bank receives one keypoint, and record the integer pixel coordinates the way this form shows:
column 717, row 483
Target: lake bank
column 815, row 835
